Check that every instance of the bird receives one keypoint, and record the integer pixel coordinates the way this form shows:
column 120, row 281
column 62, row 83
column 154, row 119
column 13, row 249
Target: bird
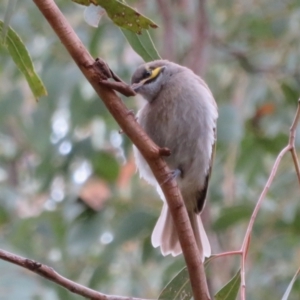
column 180, row 113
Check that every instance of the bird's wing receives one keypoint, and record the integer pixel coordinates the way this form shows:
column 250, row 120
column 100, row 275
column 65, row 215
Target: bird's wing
column 214, row 110
column 203, row 192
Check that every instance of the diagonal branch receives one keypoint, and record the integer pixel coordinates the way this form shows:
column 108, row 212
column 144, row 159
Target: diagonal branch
column 292, row 141
column 52, row 275
column 290, row 147
column 245, row 246
column 149, row 150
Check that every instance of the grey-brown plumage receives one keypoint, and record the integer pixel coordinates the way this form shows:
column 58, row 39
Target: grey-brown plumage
column 180, row 114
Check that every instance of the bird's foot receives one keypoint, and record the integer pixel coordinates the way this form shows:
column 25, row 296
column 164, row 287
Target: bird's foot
column 105, row 73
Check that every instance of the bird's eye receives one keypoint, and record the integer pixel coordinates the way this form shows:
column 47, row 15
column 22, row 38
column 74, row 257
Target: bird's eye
column 147, row 73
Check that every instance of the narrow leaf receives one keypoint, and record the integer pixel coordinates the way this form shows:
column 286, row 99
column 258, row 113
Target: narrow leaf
column 180, row 282
column 122, row 15
column 142, row 44
column 289, row 288
column 179, row 288
column 20, row 56
column 230, row 290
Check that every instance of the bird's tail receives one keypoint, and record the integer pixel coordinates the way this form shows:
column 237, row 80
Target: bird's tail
column 165, row 236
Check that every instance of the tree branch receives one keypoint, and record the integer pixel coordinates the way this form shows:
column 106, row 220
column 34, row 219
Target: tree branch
column 245, row 246
column 290, row 147
column 149, row 150
column 51, row 275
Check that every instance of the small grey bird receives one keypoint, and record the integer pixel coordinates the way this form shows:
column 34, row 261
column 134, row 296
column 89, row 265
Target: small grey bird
column 180, row 114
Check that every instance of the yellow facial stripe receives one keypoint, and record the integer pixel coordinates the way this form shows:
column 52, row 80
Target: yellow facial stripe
column 155, row 73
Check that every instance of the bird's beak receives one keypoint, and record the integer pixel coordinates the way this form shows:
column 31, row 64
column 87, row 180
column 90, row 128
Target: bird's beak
column 136, row 86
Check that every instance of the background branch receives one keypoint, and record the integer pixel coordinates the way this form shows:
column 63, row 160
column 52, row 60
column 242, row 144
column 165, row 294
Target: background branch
column 245, row 246
column 52, row 275
column 246, row 242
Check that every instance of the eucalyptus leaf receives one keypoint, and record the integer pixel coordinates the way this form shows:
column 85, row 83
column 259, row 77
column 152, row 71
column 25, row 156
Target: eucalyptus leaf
column 290, row 286
column 122, row 15
column 20, row 56
column 179, row 288
column 230, row 290
column 181, row 281
column 142, row 44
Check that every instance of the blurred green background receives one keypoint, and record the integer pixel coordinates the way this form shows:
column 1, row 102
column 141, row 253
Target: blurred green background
column 69, row 194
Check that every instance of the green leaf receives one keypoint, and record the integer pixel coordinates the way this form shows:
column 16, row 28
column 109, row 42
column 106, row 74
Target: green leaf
column 181, row 281
column 131, row 23
column 142, row 44
column 122, row 15
column 290, row 286
column 20, row 56
column 230, row 290
column 178, row 288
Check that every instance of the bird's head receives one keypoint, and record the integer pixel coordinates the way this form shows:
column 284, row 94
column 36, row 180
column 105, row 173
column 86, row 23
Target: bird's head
column 150, row 78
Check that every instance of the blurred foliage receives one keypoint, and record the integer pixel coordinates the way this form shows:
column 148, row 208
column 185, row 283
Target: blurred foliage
column 69, row 196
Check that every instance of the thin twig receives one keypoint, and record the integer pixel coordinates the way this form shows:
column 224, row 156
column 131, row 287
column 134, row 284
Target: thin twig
column 296, row 163
column 229, row 253
column 292, row 141
column 246, row 242
column 52, row 275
